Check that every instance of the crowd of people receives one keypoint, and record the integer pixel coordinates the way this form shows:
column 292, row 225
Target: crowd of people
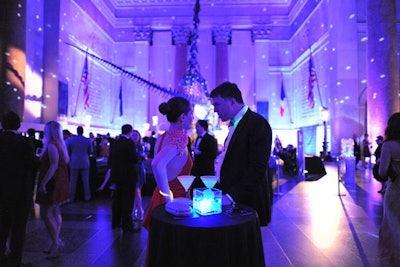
column 242, row 168
column 46, row 170
column 62, row 158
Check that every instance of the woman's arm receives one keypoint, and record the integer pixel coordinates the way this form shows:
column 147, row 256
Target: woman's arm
column 53, row 158
column 159, row 166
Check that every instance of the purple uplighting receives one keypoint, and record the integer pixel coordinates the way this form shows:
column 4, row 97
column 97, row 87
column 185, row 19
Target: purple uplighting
column 259, row 45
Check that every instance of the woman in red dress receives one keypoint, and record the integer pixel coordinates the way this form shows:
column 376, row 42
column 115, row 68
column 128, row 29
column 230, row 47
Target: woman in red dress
column 172, row 156
column 53, row 184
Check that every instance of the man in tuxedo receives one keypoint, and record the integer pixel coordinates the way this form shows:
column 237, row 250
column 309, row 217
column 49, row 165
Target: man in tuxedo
column 79, row 150
column 122, row 161
column 17, row 164
column 205, row 151
column 243, row 165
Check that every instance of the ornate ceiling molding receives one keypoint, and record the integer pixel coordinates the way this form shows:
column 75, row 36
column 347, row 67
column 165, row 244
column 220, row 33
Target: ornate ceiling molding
column 131, row 3
column 121, row 16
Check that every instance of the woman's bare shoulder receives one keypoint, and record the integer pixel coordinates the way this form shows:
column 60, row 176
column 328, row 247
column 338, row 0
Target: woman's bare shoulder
column 392, row 146
column 391, row 143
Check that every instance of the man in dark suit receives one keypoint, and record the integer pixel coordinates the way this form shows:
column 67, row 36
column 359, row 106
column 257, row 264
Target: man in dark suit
column 205, row 151
column 122, row 161
column 152, row 142
column 243, row 165
column 36, row 142
column 17, row 163
column 79, row 150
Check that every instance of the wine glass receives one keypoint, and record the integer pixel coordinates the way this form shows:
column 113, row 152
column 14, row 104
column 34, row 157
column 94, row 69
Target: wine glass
column 186, row 181
column 209, row 180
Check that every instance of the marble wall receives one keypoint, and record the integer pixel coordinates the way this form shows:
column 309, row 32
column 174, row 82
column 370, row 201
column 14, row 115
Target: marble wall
column 333, row 33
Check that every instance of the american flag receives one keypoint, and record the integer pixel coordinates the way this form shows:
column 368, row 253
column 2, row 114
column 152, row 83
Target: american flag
column 311, row 79
column 85, row 81
column 283, row 96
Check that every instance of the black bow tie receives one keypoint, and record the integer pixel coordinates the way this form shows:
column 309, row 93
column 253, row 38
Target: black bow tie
column 231, row 123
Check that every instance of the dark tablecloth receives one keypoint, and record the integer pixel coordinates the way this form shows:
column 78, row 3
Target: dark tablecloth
column 214, row 240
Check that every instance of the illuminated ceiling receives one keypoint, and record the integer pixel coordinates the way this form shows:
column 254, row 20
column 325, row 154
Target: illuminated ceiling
column 180, row 11
column 116, row 16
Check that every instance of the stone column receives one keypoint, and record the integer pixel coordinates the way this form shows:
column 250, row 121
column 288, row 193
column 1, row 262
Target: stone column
column 51, row 41
column 34, row 61
column 143, row 38
column 180, row 35
column 221, row 37
column 382, row 68
column 13, row 58
column 260, row 36
column 162, row 58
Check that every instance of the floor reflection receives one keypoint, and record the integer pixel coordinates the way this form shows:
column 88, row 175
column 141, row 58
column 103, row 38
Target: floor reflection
column 312, row 225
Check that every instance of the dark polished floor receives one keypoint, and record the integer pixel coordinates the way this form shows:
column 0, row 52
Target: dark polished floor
column 313, row 224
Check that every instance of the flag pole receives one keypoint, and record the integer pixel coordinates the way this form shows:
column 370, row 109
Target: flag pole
column 287, row 101
column 76, row 103
column 115, row 105
column 319, row 91
column 80, row 87
column 290, row 112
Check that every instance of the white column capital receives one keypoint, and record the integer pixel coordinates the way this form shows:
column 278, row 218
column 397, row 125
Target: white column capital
column 142, row 33
column 221, row 34
column 180, row 34
column 260, row 32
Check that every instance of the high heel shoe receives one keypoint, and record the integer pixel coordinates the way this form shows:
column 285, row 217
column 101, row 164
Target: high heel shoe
column 48, row 250
column 61, row 246
column 55, row 251
column 140, row 215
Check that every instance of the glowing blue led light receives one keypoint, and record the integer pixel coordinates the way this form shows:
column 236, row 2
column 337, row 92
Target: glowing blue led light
column 207, row 201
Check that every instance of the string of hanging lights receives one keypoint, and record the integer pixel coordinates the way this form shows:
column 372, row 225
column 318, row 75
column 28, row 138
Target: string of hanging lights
column 192, row 82
column 142, row 81
column 192, row 86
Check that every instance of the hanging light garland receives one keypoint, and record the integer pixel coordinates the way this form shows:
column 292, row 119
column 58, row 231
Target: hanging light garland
column 193, row 83
column 192, row 86
column 146, row 83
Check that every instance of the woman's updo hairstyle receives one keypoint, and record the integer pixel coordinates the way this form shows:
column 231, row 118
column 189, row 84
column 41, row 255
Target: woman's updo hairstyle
column 175, row 107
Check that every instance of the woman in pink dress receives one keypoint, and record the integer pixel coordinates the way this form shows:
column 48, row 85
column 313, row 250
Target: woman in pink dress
column 53, row 184
column 172, row 157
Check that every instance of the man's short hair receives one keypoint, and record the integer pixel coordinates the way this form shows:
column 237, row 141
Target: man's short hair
column 10, row 121
column 31, row 132
column 228, row 90
column 126, row 128
column 203, row 124
column 79, row 130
